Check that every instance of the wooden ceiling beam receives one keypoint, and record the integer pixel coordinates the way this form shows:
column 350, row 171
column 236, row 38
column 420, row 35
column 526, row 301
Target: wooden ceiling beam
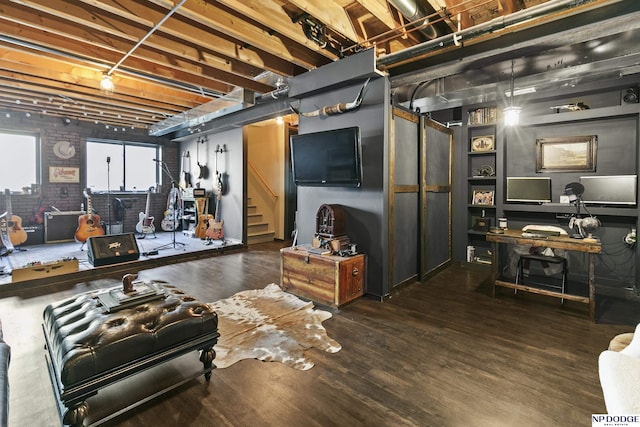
column 380, row 9
column 244, row 60
column 330, row 14
column 207, row 14
column 52, row 75
column 167, row 52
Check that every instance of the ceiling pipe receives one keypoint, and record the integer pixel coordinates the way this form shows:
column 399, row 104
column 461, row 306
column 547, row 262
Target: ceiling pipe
column 496, row 24
column 146, row 36
column 414, row 11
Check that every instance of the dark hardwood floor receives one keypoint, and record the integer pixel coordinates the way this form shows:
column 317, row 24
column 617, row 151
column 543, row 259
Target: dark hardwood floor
column 440, row 353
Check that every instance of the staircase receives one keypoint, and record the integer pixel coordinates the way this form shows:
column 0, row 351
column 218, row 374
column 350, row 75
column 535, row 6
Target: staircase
column 258, row 230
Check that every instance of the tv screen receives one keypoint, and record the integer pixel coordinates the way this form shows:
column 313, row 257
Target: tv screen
column 330, row 158
column 529, row 189
column 609, row 190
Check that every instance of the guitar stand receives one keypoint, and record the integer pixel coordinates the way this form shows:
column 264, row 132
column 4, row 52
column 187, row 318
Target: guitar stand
column 173, row 243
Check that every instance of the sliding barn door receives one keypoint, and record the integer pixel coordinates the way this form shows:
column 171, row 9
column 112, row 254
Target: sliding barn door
column 435, row 197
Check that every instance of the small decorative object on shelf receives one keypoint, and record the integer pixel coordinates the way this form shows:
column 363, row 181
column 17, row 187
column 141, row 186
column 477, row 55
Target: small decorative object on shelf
column 484, row 171
column 482, row 224
column 482, row 197
column 481, row 116
column 482, row 143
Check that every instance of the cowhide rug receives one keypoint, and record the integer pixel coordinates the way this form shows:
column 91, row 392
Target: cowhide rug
column 270, row 325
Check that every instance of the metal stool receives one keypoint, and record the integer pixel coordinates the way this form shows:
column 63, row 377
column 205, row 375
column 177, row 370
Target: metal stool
column 527, row 258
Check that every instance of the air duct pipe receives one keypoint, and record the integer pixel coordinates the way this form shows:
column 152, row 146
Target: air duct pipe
column 414, row 11
column 496, row 24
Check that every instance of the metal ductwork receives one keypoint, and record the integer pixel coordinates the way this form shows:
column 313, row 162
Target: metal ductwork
column 414, row 11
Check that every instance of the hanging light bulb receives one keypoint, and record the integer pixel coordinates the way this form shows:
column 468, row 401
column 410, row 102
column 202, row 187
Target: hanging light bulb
column 512, row 113
column 106, row 84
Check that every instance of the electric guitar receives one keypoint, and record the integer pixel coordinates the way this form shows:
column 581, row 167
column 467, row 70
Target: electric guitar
column 145, row 222
column 37, row 213
column 89, row 223
column 185, row 175
column 17, row 235
column 214, row 227
column 202, row 207
column 170, row 221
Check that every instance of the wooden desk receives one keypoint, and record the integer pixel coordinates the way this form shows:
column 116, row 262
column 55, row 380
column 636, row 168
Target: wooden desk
column 559, row 242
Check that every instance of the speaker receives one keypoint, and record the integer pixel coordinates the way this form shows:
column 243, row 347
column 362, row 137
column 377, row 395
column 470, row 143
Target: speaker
column 105, row 250
column 630, row 95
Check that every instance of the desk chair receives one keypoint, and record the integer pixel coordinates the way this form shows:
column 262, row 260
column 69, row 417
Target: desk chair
column 525, row 260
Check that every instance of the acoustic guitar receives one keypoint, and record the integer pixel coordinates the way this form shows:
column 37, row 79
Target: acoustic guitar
column 145, row 221
column 17, row 235
column 170, row 221
column 89, row 223
column 4, row 235
column 202, row 207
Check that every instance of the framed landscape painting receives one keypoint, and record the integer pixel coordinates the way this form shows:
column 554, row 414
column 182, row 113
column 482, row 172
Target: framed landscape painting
column 566, row 154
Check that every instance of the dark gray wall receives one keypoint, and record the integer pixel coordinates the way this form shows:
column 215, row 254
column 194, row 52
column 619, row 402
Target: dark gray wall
column 365, row 207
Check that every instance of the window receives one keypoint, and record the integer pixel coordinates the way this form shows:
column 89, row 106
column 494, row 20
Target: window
column 19, row 161
column 122, row 166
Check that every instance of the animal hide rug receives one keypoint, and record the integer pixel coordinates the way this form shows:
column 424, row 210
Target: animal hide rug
column 270, row 325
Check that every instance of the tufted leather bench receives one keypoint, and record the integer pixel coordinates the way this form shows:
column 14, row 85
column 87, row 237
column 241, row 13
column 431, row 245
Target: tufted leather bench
column 89, row 348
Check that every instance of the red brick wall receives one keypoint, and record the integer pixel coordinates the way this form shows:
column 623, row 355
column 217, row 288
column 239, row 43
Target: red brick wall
column 69, row 196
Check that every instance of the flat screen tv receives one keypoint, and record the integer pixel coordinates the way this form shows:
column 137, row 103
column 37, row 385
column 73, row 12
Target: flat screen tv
column 328, row 158
column 528, row 189
column 609, row 190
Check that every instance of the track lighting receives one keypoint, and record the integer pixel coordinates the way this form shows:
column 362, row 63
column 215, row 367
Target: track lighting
column 106, row 84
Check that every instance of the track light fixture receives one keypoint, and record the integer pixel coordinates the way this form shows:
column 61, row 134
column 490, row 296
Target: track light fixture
column 512, row 113
column 106, row 84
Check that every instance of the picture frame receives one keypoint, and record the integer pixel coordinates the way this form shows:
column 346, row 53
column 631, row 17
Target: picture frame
column 481, row 223
column 566, row 154
column 482, row 197
column 483, row 143
column 60, row 174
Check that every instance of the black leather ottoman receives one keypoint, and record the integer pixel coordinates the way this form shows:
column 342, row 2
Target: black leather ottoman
column 89, row 348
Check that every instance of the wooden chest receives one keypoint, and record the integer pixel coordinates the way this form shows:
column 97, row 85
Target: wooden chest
column 327, row 279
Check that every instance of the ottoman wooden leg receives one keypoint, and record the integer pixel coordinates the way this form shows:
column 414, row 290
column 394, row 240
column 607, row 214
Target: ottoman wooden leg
column 206, row 357
column 75, row 414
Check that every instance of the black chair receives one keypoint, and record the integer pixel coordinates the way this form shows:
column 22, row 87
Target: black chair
column 525, row 260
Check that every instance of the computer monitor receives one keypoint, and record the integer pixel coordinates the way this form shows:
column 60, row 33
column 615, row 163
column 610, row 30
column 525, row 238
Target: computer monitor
column 610, row 190
column 528, row 189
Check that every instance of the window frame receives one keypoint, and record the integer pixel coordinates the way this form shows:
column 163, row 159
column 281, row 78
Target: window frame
column 38, row 153
column 123, row 145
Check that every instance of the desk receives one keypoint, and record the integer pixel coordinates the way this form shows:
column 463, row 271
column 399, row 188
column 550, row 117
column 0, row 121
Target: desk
column 556, row 242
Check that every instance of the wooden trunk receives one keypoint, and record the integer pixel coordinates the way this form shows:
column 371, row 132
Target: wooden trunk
column 327, row 279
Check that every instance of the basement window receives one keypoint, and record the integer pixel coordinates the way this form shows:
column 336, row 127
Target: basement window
column 19, row 163
column 122, row 166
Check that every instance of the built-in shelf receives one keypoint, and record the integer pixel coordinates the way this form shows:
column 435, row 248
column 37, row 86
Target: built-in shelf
column 482, row 153
column 576, row 116
column 563, row 208
column 481, row 178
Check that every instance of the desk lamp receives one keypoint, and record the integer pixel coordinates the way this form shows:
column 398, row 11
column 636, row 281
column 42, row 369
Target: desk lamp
column 583, row 227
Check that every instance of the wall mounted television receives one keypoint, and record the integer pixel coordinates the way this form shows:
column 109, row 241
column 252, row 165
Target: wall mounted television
column 528, row 189
column 610, row 190
column 327, row 158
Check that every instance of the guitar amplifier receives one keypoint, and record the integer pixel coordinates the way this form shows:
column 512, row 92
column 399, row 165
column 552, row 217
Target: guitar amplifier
column 60, row 226
column 113, row 249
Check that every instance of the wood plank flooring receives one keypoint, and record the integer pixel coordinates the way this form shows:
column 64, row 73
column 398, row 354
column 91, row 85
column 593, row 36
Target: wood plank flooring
column 440, row 353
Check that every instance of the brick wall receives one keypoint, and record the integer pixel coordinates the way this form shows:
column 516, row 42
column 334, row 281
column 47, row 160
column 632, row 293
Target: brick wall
column 69, row 196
